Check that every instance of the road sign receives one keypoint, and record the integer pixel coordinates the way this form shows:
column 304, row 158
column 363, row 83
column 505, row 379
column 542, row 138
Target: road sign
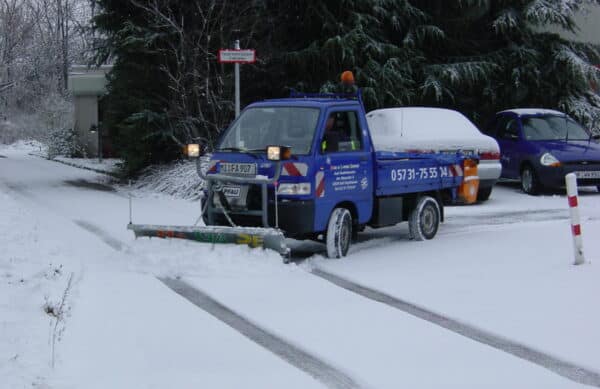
column 237, row 56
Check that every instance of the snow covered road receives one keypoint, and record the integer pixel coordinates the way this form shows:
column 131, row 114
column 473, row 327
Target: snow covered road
column 502, row 266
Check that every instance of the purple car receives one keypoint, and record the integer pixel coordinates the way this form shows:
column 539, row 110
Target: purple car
column 540, row 146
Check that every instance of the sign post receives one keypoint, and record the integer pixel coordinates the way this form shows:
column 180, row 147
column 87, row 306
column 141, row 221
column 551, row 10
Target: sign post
column 237, row 56
column 571, row 180
column 237, row 81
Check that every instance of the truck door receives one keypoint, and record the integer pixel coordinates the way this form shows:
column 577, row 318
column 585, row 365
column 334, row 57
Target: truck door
column 344, row 166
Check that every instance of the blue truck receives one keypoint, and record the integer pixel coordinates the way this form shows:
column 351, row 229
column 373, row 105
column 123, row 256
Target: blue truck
column 304, row 167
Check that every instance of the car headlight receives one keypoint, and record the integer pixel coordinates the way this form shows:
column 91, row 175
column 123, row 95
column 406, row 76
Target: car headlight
column 548, row 159
column 302, row 188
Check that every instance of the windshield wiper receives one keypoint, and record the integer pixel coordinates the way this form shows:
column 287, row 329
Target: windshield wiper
column 230, row 149
column 240, row 150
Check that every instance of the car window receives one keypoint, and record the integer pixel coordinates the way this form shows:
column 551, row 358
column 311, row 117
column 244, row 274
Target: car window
column 551, row 127
column 508, row 129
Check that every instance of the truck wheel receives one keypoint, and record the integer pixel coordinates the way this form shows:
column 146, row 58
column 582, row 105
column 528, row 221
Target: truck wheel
column 339, row 233
column 424, row 219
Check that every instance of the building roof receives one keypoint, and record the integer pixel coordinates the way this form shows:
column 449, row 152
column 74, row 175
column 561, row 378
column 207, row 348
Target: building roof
column 85, row 80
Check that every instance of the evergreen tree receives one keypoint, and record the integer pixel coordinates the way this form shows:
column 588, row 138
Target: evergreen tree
column 379, row 40
column 166, row 88
column 495, row 55
column 476, row 56
column 133, row 112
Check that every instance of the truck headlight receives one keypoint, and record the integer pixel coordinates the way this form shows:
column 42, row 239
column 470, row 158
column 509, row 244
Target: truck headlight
column 548, row 159
column 192, row 150
column 302, row 188
column 278, row 153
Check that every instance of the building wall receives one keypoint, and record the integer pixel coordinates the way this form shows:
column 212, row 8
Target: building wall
column 86, row 115
column 87, row 85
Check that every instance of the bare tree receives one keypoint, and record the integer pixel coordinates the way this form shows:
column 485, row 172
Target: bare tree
column 59, row 28
column 39, row 41
column 193, row 34
column 15, row 29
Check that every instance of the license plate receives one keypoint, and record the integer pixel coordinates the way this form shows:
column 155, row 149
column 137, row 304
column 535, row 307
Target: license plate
column 231, row 191
column 239, row 168
column 588, row 174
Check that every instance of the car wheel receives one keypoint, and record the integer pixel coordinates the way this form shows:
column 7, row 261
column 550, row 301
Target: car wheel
column 484, row 194
column 424, row 219
column 530, row 183
column 339, row 233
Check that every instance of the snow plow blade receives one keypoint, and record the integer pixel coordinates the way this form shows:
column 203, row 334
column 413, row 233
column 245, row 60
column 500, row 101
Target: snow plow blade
column 267, row 238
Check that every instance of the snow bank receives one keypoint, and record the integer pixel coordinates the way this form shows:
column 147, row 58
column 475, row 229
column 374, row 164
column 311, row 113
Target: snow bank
column 36, row 288
column 505, row 267
column 178, row 179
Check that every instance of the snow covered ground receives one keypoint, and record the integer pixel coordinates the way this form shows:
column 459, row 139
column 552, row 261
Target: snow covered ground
column 72, row 276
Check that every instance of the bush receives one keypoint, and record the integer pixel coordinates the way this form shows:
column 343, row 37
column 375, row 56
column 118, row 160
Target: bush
column 55, row 115
column 63, row 142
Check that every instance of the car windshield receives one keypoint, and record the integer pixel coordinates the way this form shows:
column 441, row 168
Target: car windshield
column 260, row 127
column 552, row 127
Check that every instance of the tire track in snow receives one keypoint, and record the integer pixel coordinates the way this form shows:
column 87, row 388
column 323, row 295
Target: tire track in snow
column 294, row 355
column 100, row 233
column 502, row 218
column 104, row 236
column 561, row 367
column 320, row 370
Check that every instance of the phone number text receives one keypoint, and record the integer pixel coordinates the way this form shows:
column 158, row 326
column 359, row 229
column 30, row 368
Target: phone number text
column 423, row 173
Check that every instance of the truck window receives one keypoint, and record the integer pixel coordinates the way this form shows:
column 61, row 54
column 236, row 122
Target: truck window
column 259, row 127
column 342, row 133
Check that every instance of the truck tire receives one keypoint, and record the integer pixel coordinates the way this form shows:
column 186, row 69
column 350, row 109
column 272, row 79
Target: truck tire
column 424, row 219
column 339, row 233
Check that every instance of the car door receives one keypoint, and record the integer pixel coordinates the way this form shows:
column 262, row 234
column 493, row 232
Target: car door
column 344, row 169
column 508, row 136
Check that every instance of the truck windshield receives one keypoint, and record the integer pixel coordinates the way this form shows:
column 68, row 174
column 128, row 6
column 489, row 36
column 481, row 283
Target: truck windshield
column 552, row 127
column 259, row 127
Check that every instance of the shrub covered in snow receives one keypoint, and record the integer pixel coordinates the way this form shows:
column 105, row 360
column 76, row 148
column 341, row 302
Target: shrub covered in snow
column 177, row 179
column 56, row 116
column 62, row 142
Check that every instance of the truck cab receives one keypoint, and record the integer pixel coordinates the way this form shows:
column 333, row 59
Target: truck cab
column 322, row 171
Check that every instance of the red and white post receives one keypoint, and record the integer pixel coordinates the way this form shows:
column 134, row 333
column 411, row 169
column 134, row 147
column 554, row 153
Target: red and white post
column 571, row 180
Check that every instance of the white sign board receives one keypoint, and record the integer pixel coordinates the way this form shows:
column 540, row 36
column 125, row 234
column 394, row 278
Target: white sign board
column 237, row 56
